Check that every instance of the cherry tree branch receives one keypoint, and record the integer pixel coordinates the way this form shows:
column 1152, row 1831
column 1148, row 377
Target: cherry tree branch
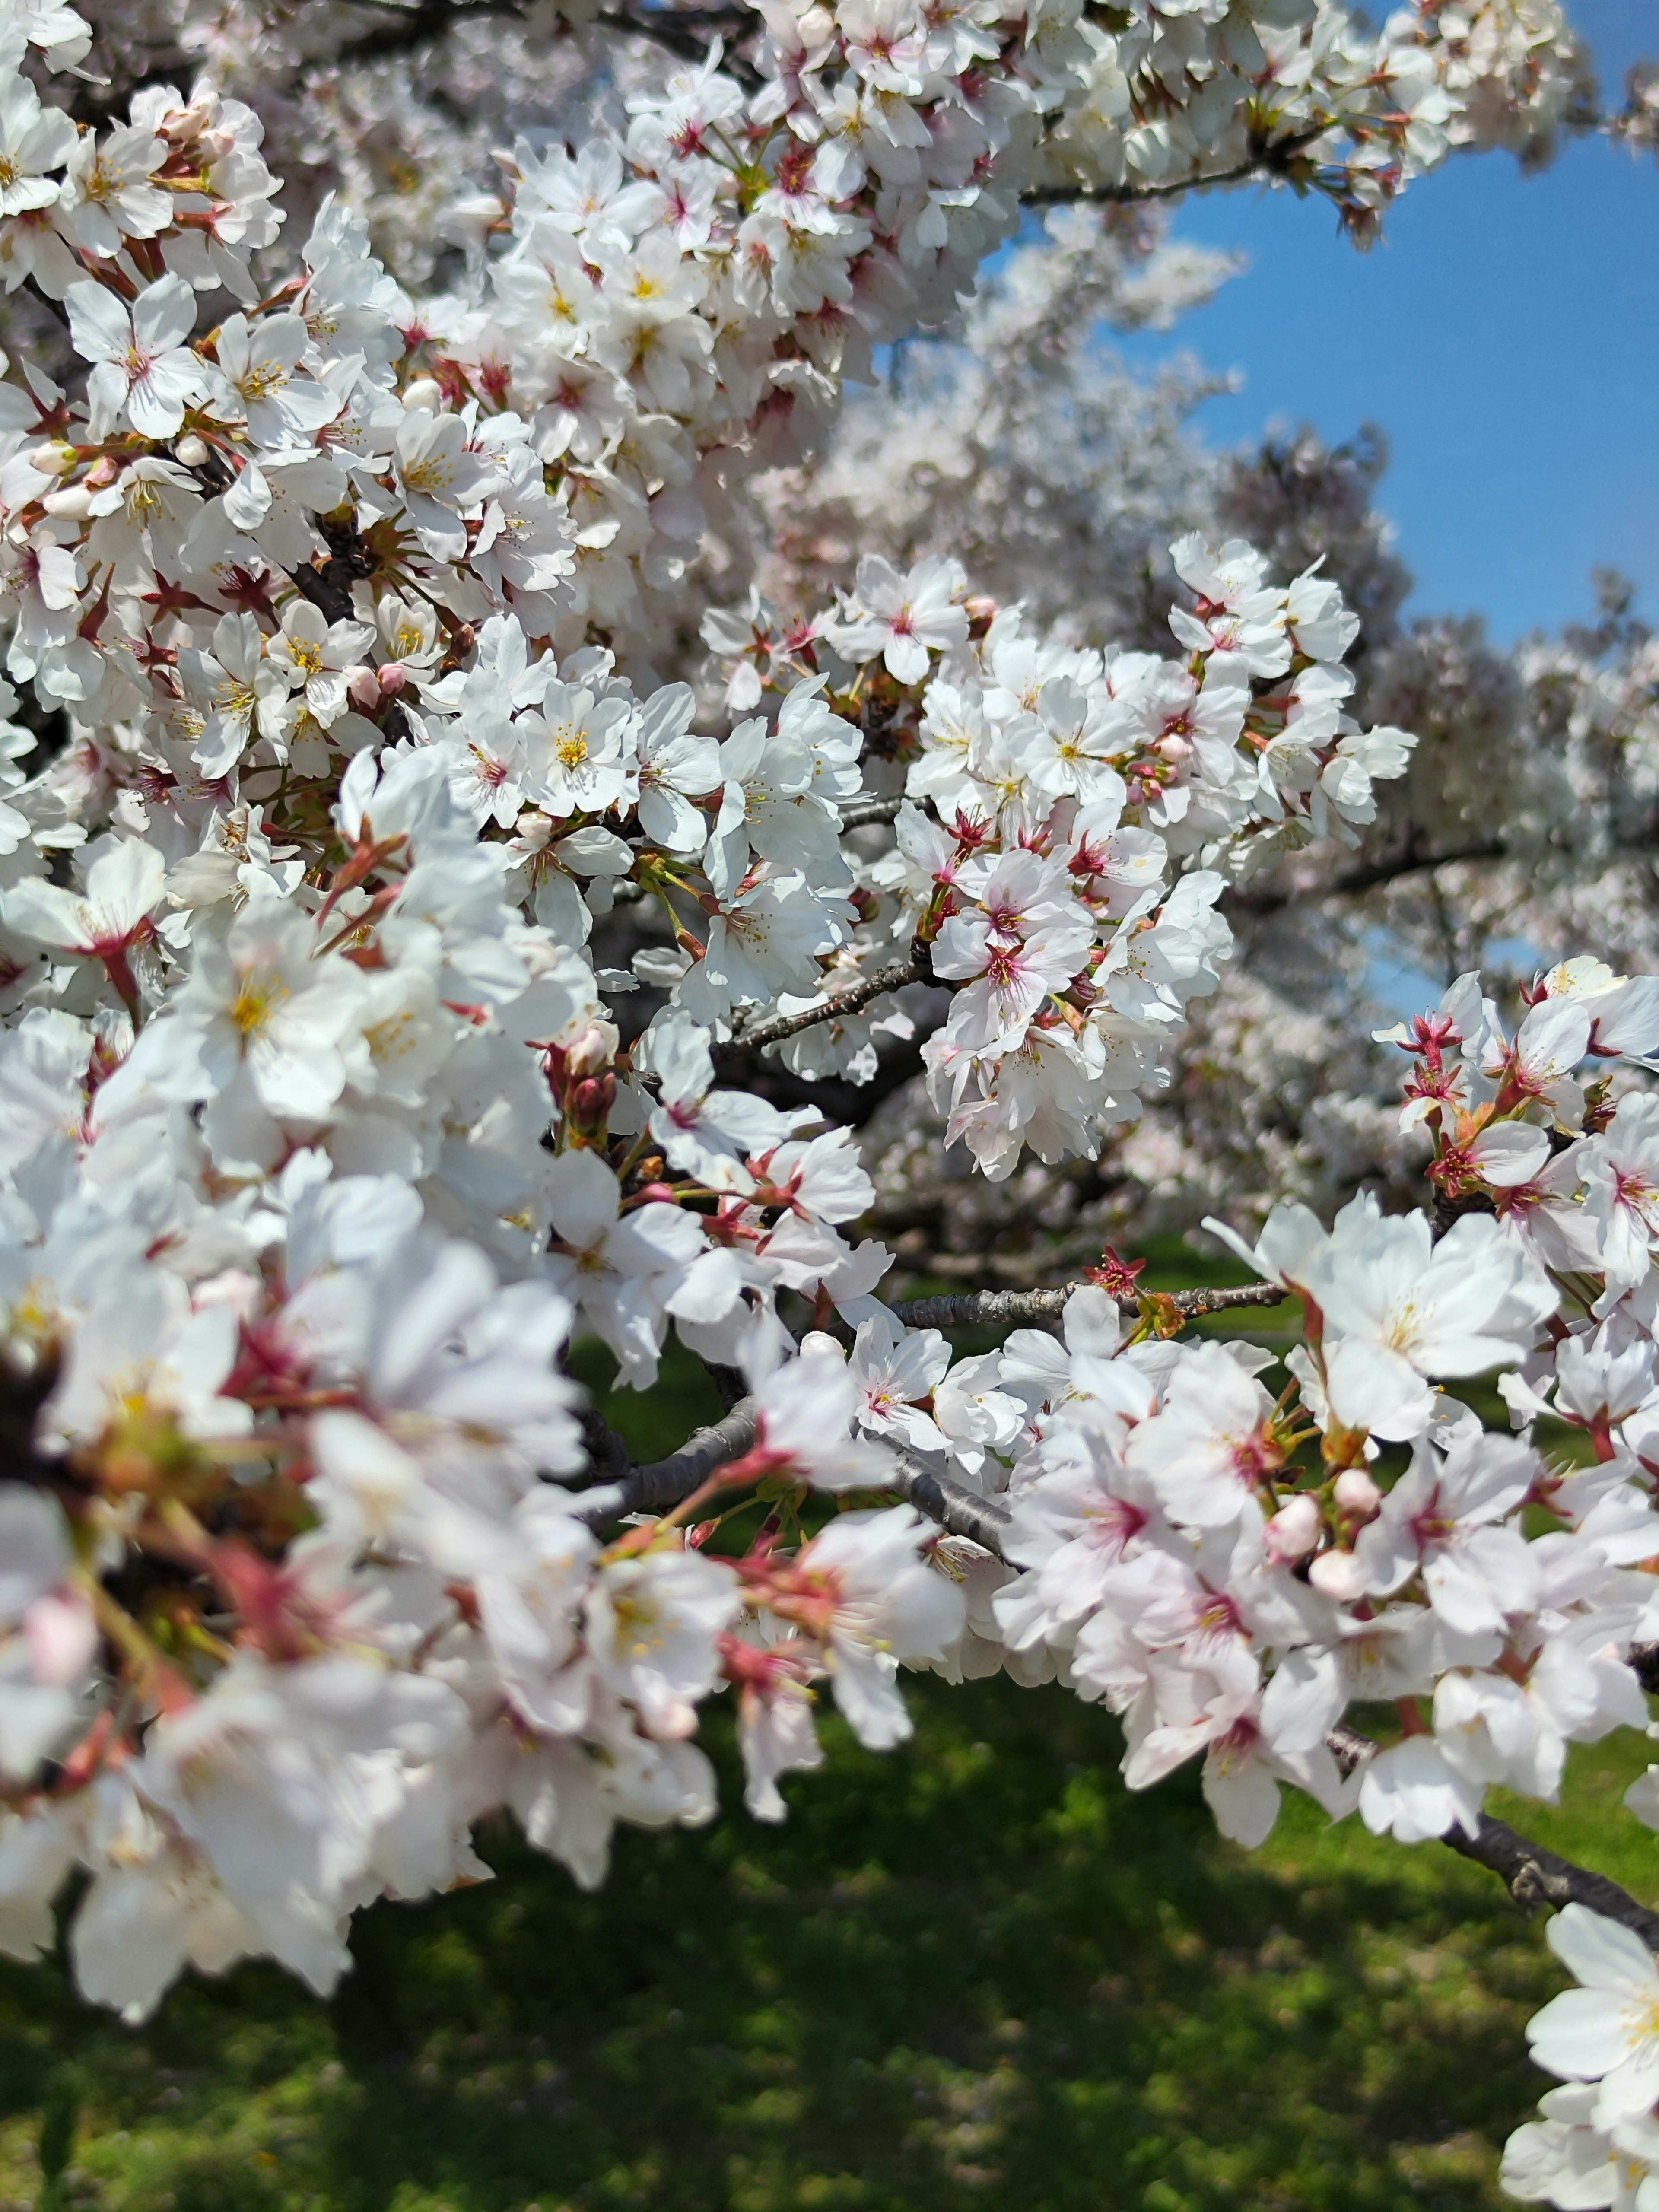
column 958, row 1510
column 677, row 30
column 1269, row 161
column 1535, row 1876
column 1353, row 883
column 908, row 970
column 663, row 1485
column 858, row 813
column 1017, row 1308
column 1532, row 1874
column 418, row 25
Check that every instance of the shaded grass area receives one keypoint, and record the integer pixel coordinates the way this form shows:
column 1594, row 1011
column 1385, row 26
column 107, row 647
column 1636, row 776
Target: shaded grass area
column 973, row 1972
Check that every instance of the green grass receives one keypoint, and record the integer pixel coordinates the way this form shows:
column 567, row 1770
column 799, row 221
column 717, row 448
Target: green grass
column 972, row 1974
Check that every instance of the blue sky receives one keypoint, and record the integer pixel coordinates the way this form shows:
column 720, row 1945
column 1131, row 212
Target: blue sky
column 1506, row 335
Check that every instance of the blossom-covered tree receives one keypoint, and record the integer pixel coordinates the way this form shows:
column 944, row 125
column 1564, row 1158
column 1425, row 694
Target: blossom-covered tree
column 500, row 765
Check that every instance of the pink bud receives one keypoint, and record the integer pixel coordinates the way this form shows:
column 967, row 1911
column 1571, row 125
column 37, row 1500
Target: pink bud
column 1337, row 1575
column 61, row 1637
column 363, row 689
column 391, row 677
column 591, row 1049
column 1356, row 1493
column 1294, row 1530
column 1174, row 748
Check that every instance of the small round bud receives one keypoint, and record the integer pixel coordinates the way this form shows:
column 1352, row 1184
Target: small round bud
column 363, row 689
column 1174, row 748
column 392, row 678
column 1355, row 1493
column 424, row 397
column 1294, row 1529
column 191, row 451
column 589, row 1103
column 74, row 503
column 54, row 460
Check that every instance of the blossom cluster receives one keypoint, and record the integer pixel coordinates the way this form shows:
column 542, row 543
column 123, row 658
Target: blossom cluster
column 1352, row 111
column 320, row 1136
column 395, row 960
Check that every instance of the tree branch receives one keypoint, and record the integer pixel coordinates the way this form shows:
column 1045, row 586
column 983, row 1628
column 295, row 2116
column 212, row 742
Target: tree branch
column 1269, row 161
column 1357, row 881
column 1018, row 1308
column 858, row 813
column 659, row 1487
column 665, row 1482
column 1534, row 1876
column 420, row 25
column 662, row 26
column 958, row 1510
column 848, row 1001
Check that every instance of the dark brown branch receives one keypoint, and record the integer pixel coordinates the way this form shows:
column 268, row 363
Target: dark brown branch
column 1016, row 1309
column 848, row 1001
column 420, row 25
column 859, row 812
column 1535, row 1876
column 958, row 1510
column 607, row 1454
column 677, row 31
column 1532, row 1875
column 1355, row 882
column 665, row 1482
column 662, row 1485
column 1269, row 161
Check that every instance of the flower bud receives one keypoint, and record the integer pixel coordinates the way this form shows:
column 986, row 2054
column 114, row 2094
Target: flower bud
column 591, row 1049
column 587, row 1109
column 54, row 459
column 392, row 678
column 191, row 451
column 73, row 504
column 424, row 397
column 1294, row 1530
column 61, row 1637
column 363, row 689
column 1356, row 1493
column 1174, row 748
column 1338, row 1575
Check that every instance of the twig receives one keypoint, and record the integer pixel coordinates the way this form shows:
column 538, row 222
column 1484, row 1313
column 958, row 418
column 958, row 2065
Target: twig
column 1534, row 1876
column 859, row 813
column 1015, row 1308
column 848, row 1001
column 656, row 1488
column 423, row 24
column 1270, row 161
column 1353, row 883
column 664, row 27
